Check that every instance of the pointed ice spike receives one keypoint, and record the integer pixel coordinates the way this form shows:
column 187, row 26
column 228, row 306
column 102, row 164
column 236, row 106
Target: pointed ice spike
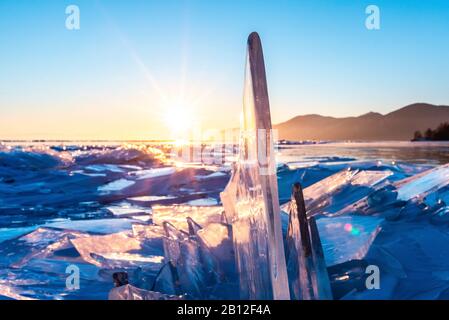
column 190, row 267
column 172, row 253
column 172, row 232
column 193, row 226
column 224, row 219
column 183, row 253
column 251, row 197
column 305, row 259
column 166, row 280
column 217, row 251
column 321, row 283
column 299, row 249
column 173, row 238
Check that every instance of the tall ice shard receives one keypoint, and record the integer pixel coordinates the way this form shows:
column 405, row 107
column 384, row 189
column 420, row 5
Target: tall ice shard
column 306, row 266
column 251, row 198
column 299, row 249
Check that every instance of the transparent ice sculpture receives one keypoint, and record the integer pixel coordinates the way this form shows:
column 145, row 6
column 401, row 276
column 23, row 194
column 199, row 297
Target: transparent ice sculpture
column 251, row 198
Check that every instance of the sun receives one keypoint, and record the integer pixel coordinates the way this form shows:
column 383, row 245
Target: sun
column 180, row 119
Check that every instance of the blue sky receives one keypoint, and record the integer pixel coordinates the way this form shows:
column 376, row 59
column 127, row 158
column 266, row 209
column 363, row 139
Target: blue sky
column 117, row 76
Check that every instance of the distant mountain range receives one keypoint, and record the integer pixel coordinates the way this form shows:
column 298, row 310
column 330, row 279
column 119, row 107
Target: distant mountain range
column 397, row 125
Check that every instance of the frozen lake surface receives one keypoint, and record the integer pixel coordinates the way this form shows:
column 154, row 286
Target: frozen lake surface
column 102, row 206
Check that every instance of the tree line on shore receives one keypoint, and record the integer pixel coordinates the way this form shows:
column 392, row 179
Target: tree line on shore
column 441, row 133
